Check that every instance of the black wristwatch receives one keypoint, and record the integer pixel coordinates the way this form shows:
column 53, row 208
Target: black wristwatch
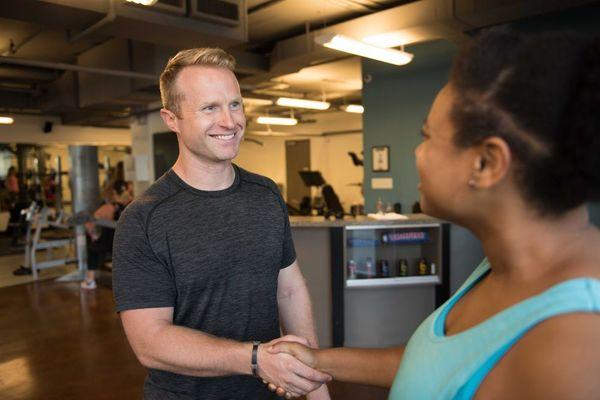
column 254, row 364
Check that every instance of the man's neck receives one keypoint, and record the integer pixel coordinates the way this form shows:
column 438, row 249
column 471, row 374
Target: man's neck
column 207, row 176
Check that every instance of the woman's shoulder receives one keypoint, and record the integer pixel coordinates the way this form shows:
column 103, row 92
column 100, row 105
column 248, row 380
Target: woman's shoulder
column 556, row 359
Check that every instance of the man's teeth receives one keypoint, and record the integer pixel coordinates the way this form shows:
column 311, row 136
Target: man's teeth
column 224, row 137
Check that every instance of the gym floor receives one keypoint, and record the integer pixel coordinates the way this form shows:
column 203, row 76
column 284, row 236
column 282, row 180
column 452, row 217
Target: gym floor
column 59, row 342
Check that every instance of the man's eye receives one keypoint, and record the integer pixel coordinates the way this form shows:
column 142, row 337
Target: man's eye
column 209, row 108
column 236, row 105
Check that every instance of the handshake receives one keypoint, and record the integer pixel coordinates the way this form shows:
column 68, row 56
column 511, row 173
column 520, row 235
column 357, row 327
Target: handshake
column 288, row 366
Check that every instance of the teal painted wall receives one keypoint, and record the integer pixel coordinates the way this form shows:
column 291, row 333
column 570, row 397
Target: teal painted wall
column 396, row 101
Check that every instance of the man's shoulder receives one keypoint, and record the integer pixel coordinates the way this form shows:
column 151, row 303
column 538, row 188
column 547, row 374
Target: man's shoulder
column 157, row 194
column 257, row 180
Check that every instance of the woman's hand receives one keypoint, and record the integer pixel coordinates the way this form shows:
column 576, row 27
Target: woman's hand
column 300, row 351
column 285, row 373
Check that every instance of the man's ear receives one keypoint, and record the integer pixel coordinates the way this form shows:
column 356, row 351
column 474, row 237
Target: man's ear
column 169, row 119
column 492, row 162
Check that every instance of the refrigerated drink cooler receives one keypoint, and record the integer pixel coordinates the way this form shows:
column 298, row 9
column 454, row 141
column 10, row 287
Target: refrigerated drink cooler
column 373, row 282
column 392, row 277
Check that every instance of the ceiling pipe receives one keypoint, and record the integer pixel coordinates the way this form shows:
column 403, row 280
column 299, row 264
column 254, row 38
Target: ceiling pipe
column 109, row 17
column 76, row 68
column 263, row 6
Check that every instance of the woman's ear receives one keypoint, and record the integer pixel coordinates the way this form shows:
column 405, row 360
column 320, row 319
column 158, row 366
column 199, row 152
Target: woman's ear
column 492, row 163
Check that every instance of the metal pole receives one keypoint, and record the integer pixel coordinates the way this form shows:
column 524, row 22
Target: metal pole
column 58, row 179
column 85, row 190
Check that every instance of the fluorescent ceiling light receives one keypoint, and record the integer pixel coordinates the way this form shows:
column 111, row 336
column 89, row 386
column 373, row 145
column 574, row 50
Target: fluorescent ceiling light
column 302, row 103
column 143, row 2
column 252, row 101
column 268, row 133
column 354, row 108
column 390, row 39
column 279, row 86
column 353, row 46
column 6, row 120
column 276, row 121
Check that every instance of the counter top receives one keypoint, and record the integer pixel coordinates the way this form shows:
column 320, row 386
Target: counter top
column 361, row 220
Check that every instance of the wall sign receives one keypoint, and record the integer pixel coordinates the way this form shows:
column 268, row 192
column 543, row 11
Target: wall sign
column 381, row 158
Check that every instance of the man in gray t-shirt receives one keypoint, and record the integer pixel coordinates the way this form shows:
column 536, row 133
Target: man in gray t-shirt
column 204, row 263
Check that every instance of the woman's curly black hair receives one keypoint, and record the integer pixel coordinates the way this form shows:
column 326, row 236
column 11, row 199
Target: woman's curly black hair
column 540, row 93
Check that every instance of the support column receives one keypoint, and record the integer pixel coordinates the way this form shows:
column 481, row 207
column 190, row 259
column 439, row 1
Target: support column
column 85, row 189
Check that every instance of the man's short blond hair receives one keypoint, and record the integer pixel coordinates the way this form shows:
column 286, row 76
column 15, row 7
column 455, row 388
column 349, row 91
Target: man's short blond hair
column 212, row 57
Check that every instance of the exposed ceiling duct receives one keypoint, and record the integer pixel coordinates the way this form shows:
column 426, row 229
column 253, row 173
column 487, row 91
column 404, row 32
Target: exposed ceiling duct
column 167, row 24
column 83, row 59
column 416, row 22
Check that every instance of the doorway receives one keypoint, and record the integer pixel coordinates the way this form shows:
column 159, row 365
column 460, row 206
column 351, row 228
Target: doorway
column 297, row 158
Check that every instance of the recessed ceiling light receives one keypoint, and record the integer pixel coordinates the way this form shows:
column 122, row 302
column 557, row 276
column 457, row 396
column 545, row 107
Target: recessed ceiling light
column 6, row 120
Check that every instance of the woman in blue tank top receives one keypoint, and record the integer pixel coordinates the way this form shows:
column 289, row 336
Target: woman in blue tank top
column 510, row 150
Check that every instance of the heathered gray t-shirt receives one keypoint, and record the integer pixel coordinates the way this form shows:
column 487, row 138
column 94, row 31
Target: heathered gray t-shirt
column 215, row 258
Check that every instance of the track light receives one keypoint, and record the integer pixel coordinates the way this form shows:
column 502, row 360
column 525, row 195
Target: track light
column 276, row 121
column 302, row 103
column 353, row 46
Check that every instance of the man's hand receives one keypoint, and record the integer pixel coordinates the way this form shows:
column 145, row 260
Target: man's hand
column 303, row 353
column 298, row 349
column 285, row 372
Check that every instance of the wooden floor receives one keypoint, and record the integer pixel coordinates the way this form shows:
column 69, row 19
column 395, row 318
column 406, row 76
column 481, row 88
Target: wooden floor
column 58, row 342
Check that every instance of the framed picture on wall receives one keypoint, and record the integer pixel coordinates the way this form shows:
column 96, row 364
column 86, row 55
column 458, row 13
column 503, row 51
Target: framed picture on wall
column 381, row 158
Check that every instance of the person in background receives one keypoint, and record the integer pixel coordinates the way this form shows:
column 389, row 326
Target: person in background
column 12, row 181
column 49, row 187
column 510, row 150
column 100, row 238
column 5, row 199
column 204, row 267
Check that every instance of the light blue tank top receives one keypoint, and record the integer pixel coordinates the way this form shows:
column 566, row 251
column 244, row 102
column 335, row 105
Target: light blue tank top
column 435, row 366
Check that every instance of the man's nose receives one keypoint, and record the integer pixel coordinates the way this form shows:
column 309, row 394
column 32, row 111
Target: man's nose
column 227, row 120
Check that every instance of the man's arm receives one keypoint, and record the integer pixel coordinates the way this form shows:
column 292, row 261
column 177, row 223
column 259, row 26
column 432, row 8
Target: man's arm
column 159, row 344
column 105, row 211
column 295, row 312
